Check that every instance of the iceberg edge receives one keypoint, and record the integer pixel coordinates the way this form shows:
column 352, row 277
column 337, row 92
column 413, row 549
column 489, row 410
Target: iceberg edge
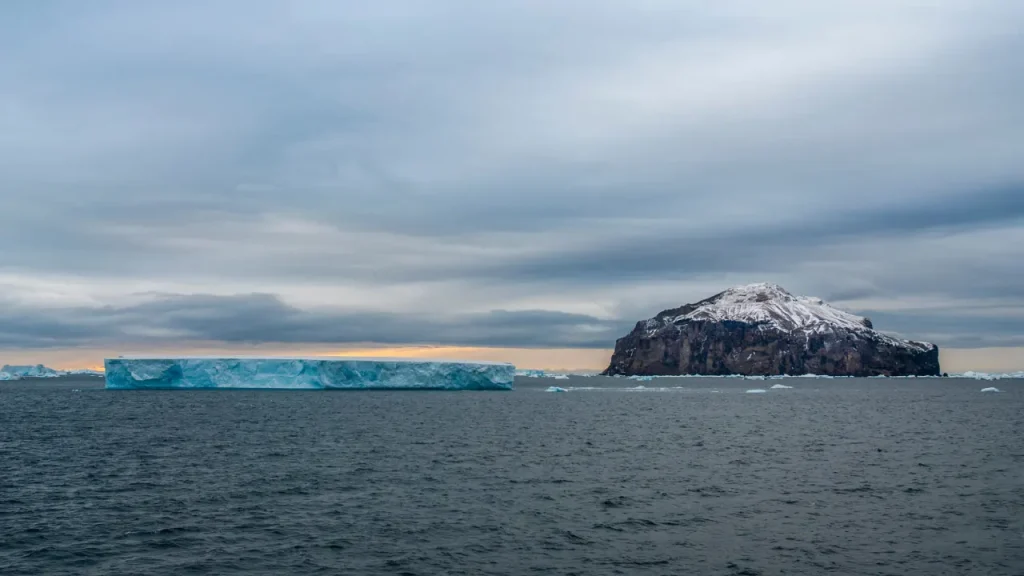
column 265, row 373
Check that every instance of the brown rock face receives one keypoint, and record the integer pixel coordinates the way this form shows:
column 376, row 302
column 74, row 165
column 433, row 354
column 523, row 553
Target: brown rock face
column 763, row 330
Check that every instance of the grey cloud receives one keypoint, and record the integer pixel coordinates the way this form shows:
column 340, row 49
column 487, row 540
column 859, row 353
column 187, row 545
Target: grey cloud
column 261, row 318
column 764, row 247
column 953, row 328
column 618, row 144
column 264, row 318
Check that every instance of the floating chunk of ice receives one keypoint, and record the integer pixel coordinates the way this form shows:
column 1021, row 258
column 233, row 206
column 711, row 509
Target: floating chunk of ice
column 756, row 391
column 781, row 387
column 990, row 389
column 560, row 377
column 306, row 374
column 555, row 389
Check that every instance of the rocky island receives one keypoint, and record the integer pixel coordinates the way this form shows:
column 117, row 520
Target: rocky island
column 761, row 329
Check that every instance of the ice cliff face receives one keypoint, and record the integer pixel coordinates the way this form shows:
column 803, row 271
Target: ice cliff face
column 306, row 374
column 761, row 329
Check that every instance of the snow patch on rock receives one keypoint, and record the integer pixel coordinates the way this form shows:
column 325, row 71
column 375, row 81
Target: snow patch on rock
column 772, row 306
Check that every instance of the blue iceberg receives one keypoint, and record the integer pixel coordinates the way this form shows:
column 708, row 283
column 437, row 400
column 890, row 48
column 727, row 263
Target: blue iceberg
column 305, row 374
column 9, row 372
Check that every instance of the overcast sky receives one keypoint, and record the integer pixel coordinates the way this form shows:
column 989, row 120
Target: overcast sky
column 504, row 173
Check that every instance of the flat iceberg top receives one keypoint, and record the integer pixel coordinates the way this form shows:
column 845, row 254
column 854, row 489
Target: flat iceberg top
column 321, row 373
column 317, row 359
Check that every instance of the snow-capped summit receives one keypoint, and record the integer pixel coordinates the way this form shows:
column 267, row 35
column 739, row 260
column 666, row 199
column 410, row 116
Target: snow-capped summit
column 772, row 306
column 770, row 303
column 764, row 329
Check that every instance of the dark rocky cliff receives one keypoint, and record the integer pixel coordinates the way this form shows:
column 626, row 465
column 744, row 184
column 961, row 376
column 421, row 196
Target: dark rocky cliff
column 763, row 330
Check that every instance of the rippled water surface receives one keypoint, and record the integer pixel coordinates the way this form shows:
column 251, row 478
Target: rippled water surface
column 837, row 477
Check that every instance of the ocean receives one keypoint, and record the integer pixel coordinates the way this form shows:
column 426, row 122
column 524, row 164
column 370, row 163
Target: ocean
column 683, row 476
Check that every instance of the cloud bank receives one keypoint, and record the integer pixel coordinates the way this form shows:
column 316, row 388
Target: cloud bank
column 505, row 173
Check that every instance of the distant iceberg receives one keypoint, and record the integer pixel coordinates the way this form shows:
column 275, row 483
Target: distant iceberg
column 543, row 374
column 781, row 387
column 306, row 374
column 990, row 389
column 555, row 389
column 531, row 373
column 83, row 372
column 9, row 372
column 757, row 391
column 987, row 376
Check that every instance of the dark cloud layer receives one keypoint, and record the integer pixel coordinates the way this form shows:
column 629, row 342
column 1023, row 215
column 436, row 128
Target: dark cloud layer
column 958, row 329
column 459, row 157
column 259, row 318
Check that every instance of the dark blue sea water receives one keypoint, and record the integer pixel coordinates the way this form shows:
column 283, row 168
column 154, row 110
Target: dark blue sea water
column 830, row 477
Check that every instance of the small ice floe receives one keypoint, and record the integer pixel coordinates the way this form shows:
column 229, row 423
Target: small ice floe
column 781, row 387
column 757, row 391
column 990, row 389
column 555, row 389
column 560, row 377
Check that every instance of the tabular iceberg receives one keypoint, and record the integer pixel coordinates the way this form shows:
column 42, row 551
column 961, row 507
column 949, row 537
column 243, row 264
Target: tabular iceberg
column 306, row 374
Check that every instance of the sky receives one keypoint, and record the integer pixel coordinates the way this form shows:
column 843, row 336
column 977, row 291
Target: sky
column 503, row 180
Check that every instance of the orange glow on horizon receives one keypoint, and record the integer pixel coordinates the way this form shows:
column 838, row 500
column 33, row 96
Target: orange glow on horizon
column 414, row 351
column 582, row 359
column 553, row 359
